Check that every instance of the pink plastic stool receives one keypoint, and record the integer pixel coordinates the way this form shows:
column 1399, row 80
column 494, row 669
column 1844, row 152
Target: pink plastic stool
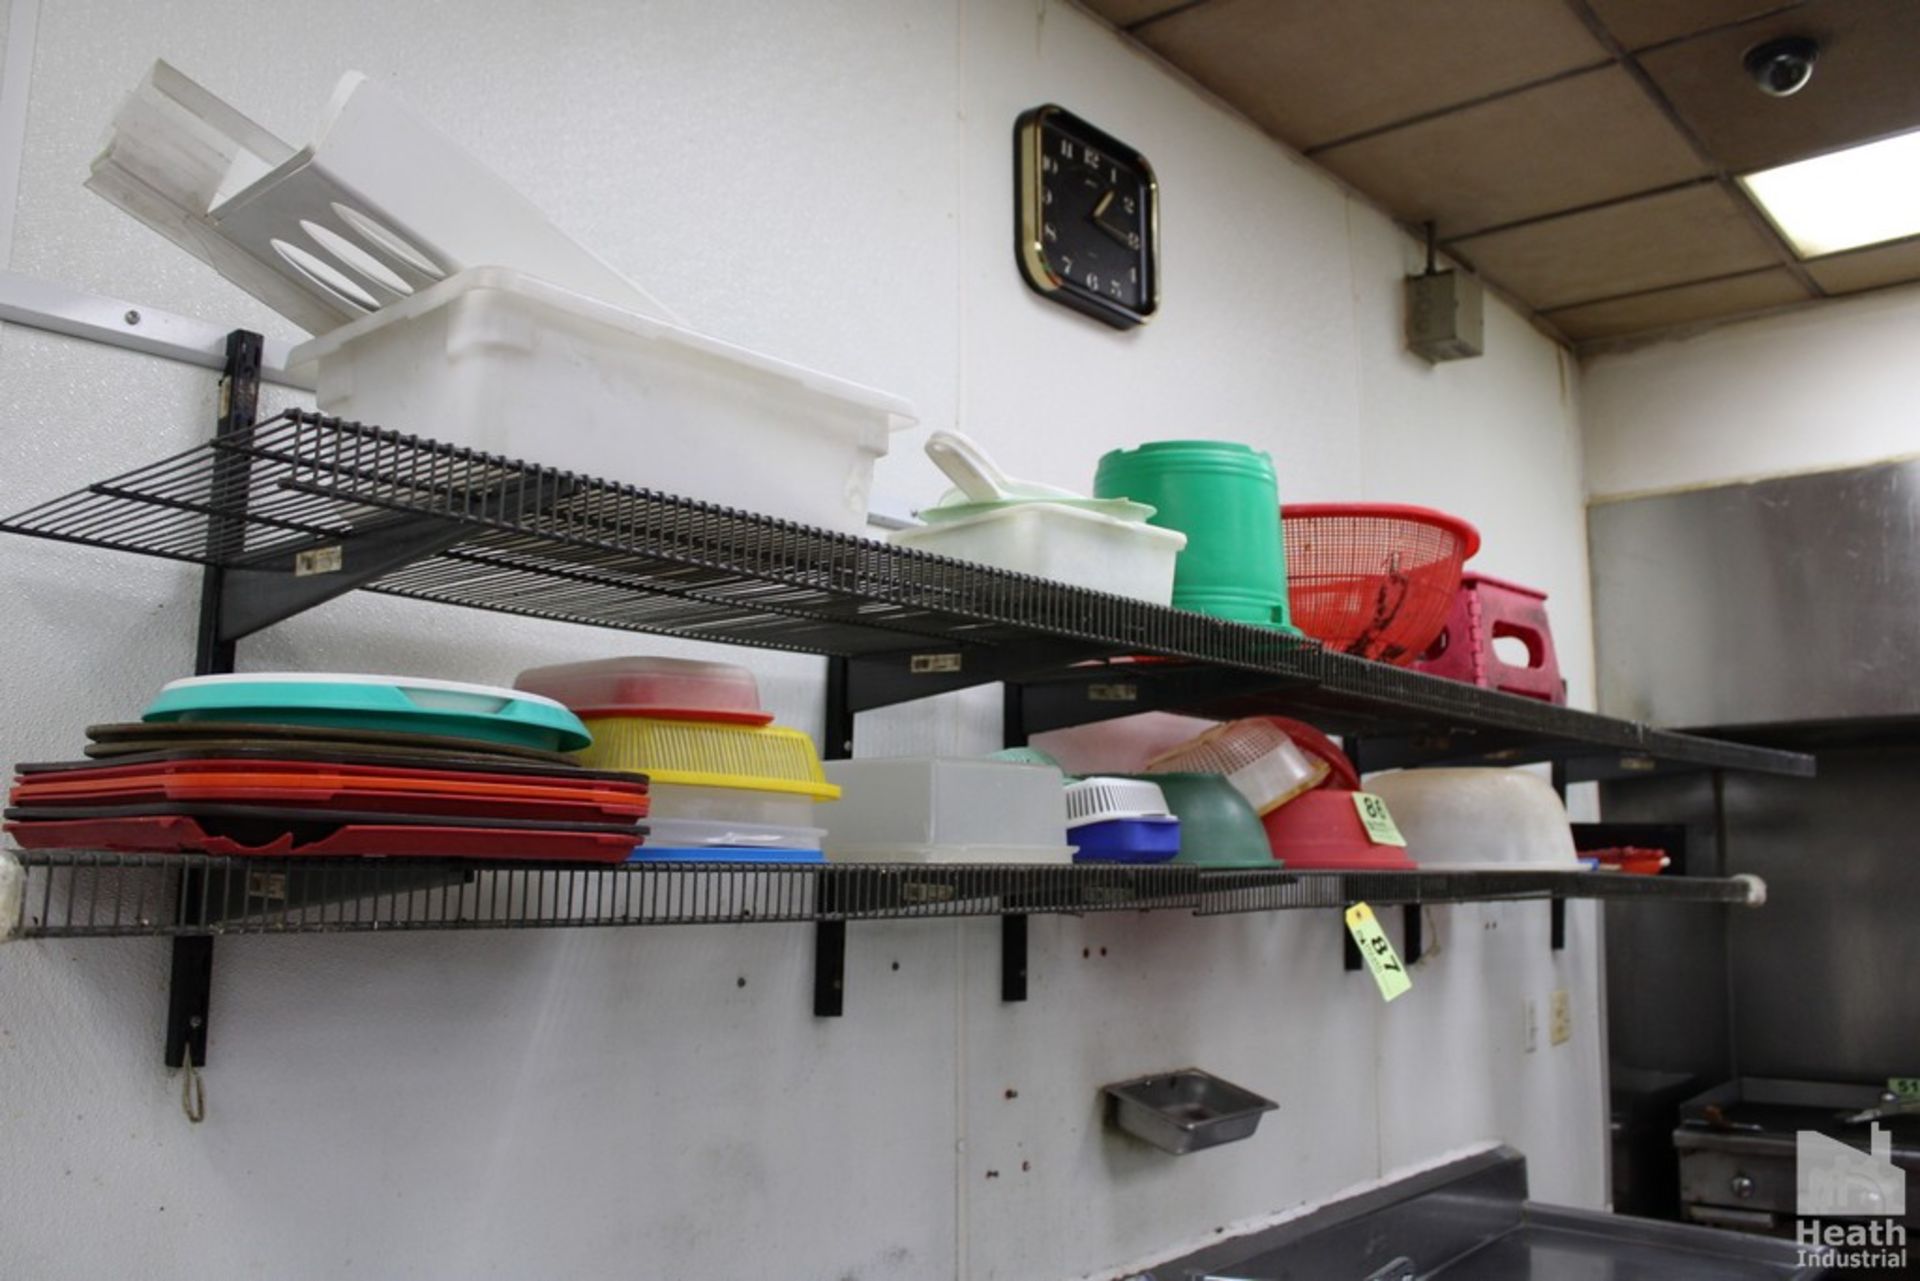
column 1488, row 609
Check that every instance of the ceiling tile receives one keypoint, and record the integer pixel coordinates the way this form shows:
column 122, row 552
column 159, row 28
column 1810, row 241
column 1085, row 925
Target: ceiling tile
column 1123, row 13
column 1864, row 84
column 1669, row 239
column 1638, row 23
column 1708, row 300
column 1578, row 141
column 1312, row 71
column 1867, row 268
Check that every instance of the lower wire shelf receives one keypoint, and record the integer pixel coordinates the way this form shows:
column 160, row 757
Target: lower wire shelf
column 81, row 894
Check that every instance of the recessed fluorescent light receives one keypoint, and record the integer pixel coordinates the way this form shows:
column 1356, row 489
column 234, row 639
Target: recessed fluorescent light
column 1845, row 199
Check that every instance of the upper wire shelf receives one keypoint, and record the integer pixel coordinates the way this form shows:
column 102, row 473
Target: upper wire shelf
column 86, row 894
column 303, row 507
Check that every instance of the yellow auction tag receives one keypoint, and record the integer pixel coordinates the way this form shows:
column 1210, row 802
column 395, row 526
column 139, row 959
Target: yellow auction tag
column 1375, row 818
column 1388, row 973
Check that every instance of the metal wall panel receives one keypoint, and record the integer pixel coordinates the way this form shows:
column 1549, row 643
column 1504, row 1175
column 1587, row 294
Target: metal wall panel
column 1781, row 600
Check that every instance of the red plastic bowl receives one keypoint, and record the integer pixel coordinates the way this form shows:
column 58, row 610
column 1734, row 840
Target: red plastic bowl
column 1321, row 831
column 1373, row 579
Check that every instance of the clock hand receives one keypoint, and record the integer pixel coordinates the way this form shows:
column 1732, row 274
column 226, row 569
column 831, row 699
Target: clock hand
column 1123, row 234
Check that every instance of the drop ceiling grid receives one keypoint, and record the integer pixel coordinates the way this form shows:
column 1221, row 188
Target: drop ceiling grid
column 1604, row 133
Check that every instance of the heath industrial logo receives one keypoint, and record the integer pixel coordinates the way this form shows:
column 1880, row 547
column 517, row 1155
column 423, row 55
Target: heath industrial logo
column 1834, row 1180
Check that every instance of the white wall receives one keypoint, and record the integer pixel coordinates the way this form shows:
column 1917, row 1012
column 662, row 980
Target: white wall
column 1829, row 386
column 828, row 182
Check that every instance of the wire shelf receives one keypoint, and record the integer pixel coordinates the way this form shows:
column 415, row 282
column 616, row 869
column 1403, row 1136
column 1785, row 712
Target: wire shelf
column 303, row 507
column 103, row 895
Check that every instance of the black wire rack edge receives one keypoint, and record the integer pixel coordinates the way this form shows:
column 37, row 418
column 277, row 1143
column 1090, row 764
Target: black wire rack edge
column 551, row 544
column 82, row 894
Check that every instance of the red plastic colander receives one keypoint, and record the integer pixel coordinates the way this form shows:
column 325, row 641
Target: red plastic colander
column 1373, row 579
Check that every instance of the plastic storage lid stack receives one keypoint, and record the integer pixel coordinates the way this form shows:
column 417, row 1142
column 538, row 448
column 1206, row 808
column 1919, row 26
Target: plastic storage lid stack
column 1120, row 820
column 644, row 685
column 947, row 810
column 1259, row 759
column 1479, row 819
column 359, row 701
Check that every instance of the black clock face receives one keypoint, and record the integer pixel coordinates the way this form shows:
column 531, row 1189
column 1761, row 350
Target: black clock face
column 1088, row 218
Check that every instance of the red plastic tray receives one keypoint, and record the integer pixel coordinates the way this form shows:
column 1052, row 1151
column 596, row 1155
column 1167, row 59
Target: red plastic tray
column 177, row 834
column 376, row 800
column 390, row 763
column 242, row 775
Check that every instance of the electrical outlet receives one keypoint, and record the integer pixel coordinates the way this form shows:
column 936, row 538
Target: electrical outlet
column 1562, row 1017
column 1532, row 1012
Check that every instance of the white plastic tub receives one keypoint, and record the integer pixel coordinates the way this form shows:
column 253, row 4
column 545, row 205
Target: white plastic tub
column 1067, row 544
column 501, row 362
column 925, row 809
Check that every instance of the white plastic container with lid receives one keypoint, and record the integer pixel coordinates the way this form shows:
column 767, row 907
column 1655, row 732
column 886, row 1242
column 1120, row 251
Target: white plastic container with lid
column 1490, row 820
column 923, row 809
column 1068, row 544
column 498, row 361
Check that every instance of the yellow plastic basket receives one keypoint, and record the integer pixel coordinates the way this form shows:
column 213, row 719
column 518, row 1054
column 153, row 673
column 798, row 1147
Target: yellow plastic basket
column 764, row 758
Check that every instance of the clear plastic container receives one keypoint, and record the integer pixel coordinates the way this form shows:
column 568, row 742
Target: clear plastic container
column 501, row 362
column 670, row 801
column 1261, row 762
column 1122, row 745
column 1068, row 544
column 698, row 833
column 947, row 810
column 645, row 685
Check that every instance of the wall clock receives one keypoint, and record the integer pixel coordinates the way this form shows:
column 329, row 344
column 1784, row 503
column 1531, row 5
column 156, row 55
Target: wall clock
column 1086, row 218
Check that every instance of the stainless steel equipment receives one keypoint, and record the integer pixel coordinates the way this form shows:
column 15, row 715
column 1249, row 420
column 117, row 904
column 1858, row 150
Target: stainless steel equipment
column 1738, row 1147
column 1470, row 1220
column 1782, row 600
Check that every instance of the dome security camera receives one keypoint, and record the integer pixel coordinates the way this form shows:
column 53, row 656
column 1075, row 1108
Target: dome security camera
column 1782, row 67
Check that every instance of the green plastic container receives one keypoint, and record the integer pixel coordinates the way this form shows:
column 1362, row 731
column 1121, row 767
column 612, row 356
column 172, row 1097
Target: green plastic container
column 1223, row 497
column 1217, row 826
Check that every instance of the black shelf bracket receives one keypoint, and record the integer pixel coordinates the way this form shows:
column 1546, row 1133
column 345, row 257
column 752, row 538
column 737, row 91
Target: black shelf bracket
column 1013, row 957
column 1413, row 933
column 1557, row 924
column 190, row 981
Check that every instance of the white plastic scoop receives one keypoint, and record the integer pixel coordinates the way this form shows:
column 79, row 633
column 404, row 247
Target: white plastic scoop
column 981, row 484
column 968, row 466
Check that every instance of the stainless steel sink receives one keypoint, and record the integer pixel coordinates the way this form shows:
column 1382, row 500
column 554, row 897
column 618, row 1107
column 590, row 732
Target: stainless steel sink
column 1471, row 1221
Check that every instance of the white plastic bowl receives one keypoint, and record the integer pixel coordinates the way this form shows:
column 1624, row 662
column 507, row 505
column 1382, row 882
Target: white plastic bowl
column 1068, row 544
column 1478, row 819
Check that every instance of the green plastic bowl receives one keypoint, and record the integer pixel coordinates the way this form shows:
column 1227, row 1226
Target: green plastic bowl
column 1218, row 828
